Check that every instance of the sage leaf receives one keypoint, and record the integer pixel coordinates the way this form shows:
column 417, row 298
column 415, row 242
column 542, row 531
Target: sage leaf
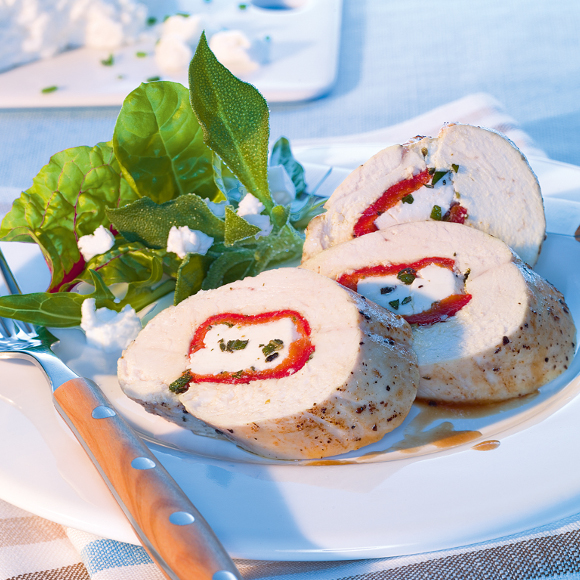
column 237, row 228
column 148, row 223
column 234, row 118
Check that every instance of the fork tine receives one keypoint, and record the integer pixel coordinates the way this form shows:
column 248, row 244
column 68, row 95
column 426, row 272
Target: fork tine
column 13, row 288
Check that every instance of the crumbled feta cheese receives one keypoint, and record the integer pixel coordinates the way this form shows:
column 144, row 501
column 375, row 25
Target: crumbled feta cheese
column 282, row 187
column 99, row 242
column 231, row 48
column 109, row 330
column 218, row 209
column 249, row 208
column 179, row 35
column 182, row 241
column 32, row 29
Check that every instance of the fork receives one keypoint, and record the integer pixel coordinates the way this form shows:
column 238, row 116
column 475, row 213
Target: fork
column 171, row 529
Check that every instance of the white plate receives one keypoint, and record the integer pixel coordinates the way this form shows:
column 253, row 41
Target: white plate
column 302, row 63
column 373, row 503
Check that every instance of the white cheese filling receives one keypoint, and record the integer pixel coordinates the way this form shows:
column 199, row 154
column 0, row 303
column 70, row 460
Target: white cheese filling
column 432, row 284
column 216, row 357
column 423, row 200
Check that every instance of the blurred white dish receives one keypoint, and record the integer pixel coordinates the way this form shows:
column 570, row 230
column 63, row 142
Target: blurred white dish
column 302, row 62
column 380, row 501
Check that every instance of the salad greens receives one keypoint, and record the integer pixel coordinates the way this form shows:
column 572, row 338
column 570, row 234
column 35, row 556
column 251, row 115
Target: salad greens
column 174, row 155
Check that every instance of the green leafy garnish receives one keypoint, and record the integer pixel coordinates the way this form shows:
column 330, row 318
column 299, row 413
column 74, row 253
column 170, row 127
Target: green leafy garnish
column 408, row 199
column 147, row 222
column 394, row 304
column 282, row 155
column 455, row 167
column 141, row 54
column 174, row 152
column 234, row 119
column 159, row 144
column 406, row 300
column 50, row 89
column 67, row 200
column 108, row 61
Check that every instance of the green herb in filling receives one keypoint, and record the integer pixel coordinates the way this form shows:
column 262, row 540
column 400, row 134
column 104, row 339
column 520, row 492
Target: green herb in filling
column 49, row 89
column 181, row 384
column 436, row 213
column 151, row 21
column 408, row 199
column 238, row 374
column 407, row 276
column 140, row 54
column 232, row 345
column 153, row 79
column 406, row 300
column 437, row 176
column 108, row 61
column 274, row 345
column 455, row 167
column 394, row 304
column 387, row 289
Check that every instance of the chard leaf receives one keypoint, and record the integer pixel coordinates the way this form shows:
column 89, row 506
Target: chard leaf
column 126, row 262
column 67, row 200
column 159, row 144
column 282, row 155
column 189, row 277
column 59, row 309
column 237, row 228
column 148, row 223
column 234, row 118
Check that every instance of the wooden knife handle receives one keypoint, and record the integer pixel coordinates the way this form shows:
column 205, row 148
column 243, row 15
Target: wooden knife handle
column 172, row 531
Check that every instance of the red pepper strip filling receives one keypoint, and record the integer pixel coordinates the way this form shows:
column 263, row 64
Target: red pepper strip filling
column 439, row 312
column 395, row 193
column 298, row 352
column 351, row 280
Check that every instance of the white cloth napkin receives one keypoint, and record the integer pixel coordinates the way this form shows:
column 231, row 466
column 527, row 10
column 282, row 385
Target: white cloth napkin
column 32, row 548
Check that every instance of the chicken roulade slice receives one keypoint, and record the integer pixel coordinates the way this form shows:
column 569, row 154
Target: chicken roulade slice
column 288, row 364
column 485, row 326
column 467, row 175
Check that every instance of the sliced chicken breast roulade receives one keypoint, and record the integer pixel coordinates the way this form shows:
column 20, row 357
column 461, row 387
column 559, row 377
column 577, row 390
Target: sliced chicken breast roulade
column 485, row 326
column 288, row 364
column 466, row 174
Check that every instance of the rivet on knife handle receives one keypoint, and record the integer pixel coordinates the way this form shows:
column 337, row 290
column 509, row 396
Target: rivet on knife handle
column 171, row 529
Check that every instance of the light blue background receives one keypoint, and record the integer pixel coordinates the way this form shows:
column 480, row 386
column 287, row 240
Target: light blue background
column 398, row 59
